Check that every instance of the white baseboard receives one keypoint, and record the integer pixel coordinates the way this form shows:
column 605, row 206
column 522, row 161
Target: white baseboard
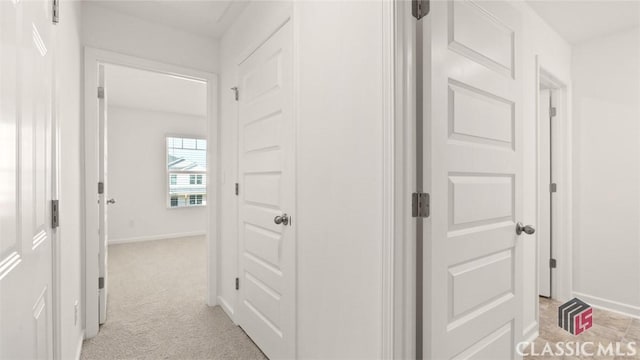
column 531, row 332
column 609, row 305
column 532, row 336
column 79, row 349
column 227, row 308
column 155, row 237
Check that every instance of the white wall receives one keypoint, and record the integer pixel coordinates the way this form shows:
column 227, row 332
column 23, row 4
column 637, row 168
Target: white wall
column 554, row 53
column 69, row 89
column 137, row 175
column 606, row 107
column 109, row 30
column 339, row 167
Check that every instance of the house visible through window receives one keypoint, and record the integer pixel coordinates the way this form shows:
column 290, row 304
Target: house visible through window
column 195, row 179
column 195, row 199
column 187, row 171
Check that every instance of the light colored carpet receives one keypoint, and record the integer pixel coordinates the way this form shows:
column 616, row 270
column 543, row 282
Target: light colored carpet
column 157, row 310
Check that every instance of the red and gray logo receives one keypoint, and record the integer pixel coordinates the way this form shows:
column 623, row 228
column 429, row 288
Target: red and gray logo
column 575, row 316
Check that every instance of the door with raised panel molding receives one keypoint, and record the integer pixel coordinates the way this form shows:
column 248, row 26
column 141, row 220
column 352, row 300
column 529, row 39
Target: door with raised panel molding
column 473, row 171
column 26, row 165
column 266, row 303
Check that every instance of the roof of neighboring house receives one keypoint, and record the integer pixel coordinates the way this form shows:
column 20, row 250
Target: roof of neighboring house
column 180, row 164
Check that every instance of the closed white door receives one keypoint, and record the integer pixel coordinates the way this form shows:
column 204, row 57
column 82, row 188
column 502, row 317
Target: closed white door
column 26, row 165
column 103, row 199
column 473, row 171
column 266, row 305
column 544, row 221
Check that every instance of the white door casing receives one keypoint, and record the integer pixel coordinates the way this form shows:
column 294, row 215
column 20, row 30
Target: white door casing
column 266, row 302
column 544, row 221
column 472, row 274
column 102, row 198
column 26, row 168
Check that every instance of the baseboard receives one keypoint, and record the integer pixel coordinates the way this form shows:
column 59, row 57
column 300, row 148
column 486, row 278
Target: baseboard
column 226, row 308
column 531, row 332
column 155, row 237
column 79, row 349
column 609, row 305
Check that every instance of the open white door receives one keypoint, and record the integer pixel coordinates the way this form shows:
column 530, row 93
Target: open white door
column 266, row 305
column 473, row 172
column 26, row 167
column 102, row 194
column 544, row 222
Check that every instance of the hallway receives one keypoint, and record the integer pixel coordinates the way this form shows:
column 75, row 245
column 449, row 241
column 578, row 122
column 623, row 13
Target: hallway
column 157, row 310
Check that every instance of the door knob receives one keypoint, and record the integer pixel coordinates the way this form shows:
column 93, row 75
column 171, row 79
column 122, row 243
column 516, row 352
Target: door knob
column 111, row 201
column 283, row 219
column 527, row 229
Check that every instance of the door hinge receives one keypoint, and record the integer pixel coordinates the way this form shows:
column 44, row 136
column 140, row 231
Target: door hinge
column 237, row 189
column 553, row 187
column 552, row 263
column 236, row 92
column 101, row 283
column 237, row 283
column 419, row 8
column 56, row 11
column 553, row 111
column 420, row 204
column 101, row 188
column 100, row 92
column 55, row 214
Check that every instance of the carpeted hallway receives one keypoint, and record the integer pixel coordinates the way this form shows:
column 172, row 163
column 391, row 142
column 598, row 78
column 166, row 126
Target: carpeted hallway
column 157, row 310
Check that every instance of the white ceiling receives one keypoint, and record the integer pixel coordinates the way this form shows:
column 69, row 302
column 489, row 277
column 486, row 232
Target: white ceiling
column 577, row 21
column 147, row 90
column 203, row 17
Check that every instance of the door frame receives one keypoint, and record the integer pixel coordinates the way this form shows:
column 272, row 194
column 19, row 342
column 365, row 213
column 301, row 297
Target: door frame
column 402, row 150
column 562, row 247
column 93, row 57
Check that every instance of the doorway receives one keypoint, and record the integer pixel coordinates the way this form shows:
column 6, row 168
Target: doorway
column 553, row 188
column 143, row 110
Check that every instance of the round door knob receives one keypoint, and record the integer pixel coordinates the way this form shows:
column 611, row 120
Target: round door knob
column 111, row 201
column 283, row 219
column 527, row 229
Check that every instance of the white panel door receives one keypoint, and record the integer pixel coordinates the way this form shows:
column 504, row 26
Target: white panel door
column 544, row 222
column 266, row 305
column 473, row 171
column 102, row 197
column 26, row 79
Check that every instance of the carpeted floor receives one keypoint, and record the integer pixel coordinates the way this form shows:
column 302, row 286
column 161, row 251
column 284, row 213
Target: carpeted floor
column 157, row 310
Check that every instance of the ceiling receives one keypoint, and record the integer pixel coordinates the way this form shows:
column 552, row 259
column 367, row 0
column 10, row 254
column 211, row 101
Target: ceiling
column 577, row 21
column 203, row 17
column 148, row 90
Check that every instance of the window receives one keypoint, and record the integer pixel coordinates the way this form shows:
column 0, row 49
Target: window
column 195, row 179
column 195, row 199
column 187, row 171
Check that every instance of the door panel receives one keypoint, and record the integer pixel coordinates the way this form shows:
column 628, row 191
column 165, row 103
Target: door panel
column 26, row 89
column 472, row 143
column 266, row 309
